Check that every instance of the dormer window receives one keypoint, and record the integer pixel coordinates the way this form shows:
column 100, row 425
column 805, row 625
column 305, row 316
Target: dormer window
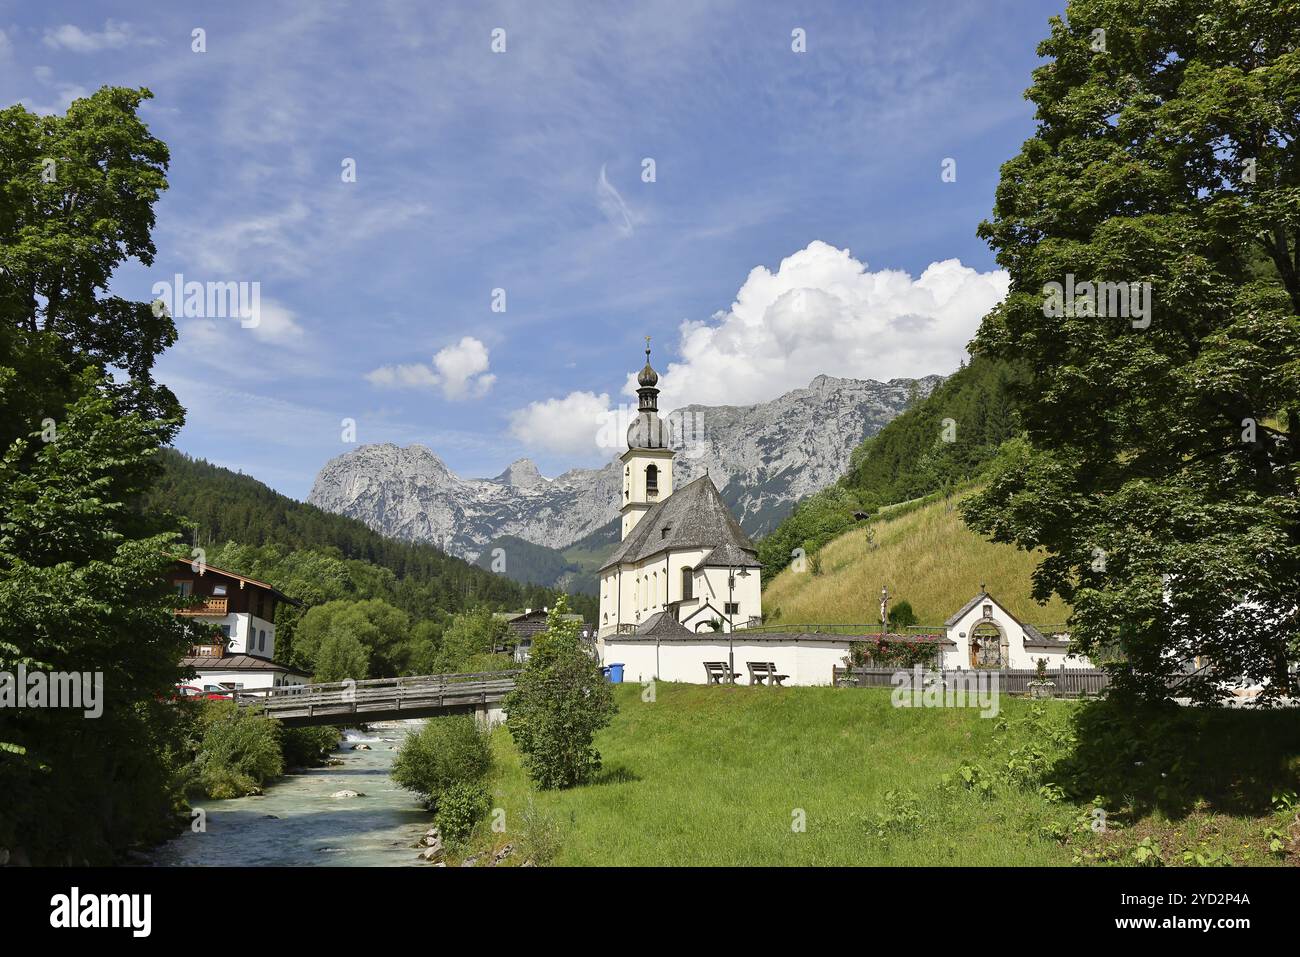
column 663, row 532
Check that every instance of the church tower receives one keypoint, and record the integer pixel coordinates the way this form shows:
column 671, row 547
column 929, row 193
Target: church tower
column 648, row 461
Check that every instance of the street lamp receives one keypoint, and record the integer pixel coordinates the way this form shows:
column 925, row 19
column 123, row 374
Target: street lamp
column 731, row 622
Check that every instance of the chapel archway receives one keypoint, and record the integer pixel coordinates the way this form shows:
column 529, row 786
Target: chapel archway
column 987, row 646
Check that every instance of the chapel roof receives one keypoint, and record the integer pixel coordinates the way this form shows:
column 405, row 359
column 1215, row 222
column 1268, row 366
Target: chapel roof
column 694, row 516
column 662, row 624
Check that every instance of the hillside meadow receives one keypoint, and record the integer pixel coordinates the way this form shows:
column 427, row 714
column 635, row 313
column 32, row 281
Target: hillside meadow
column 925, row 555
column 726, row 776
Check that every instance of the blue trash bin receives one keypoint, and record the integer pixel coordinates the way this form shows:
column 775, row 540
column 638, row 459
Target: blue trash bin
column 616, row 672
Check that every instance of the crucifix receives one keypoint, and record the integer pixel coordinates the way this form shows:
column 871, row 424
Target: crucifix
column 884, row 610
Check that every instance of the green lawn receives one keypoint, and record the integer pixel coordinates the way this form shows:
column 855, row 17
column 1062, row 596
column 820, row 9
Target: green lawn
column 708, row 776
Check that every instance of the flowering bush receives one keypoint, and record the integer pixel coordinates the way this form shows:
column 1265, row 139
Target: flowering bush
column 895, row 651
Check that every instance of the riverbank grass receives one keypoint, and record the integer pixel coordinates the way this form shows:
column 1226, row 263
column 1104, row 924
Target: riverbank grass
column 826, row 776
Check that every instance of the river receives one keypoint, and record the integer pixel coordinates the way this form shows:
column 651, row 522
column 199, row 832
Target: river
column 296, row 823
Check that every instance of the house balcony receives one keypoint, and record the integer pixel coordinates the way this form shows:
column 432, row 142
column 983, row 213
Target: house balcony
column 211, row 607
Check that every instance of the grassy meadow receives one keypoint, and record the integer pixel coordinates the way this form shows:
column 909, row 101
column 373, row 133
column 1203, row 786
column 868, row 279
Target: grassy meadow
column 718, row 776
column 925, row 555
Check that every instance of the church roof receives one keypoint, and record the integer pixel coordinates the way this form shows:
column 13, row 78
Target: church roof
column 663, row 625
column 729, row 555
column 694, row 516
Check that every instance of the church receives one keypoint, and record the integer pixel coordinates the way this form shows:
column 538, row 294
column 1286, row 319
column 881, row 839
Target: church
column 684, row 565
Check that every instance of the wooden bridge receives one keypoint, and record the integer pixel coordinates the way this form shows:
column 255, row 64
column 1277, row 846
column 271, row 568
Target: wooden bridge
column 382, row 699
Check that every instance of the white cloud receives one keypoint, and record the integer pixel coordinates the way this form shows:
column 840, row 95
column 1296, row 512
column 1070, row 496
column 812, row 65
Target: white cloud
column 460, row 370
column 823, row 312
column 6, row 47
column 114, row 36
column 573, row 425
column 416, row 375
column 612, row 205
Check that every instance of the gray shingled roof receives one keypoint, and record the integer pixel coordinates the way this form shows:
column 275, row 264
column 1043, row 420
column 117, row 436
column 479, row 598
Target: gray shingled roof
column 239, row 663
column 967, row 607
column 694, row 516
column 728, row 555
column 662, row 625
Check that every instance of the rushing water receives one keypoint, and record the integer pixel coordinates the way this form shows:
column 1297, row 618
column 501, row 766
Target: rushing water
column 297, row 823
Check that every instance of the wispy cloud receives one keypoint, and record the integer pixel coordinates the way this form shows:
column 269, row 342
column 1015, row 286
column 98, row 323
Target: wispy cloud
column 612, row 204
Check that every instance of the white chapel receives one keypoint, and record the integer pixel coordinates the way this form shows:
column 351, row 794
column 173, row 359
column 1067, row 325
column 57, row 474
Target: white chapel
column 684, row 564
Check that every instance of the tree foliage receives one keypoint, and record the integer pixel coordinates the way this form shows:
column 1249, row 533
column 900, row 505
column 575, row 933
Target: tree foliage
column 82, row 576
column 1161, row 465
column 560, row 701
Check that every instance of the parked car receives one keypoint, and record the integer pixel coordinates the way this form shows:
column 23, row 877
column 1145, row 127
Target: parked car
column 206, row 693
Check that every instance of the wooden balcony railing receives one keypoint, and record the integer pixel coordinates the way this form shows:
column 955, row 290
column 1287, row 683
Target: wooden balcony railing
column 212, row 606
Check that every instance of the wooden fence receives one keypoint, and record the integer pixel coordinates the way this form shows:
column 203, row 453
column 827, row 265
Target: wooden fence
column 1073, row 682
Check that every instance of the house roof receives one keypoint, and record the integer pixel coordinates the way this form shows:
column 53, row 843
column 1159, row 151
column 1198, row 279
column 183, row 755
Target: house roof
column 239, row 663
column 189, row 563
column 694, row 516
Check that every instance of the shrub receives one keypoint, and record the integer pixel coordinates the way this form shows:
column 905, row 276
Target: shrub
column 559, row 703
column 901, row 615
column 460, row 807
column 445, row 752
column 239, row 750
column 540, row 835
column 307, row 747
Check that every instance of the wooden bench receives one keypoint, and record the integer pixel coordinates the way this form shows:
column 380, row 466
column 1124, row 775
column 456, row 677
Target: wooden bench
column 718, row 672
column 764, row 671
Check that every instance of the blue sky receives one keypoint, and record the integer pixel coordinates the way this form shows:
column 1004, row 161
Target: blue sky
column 797, row 222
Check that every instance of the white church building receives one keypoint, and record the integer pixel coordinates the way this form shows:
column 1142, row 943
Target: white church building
column 683, row 560
column 683, row 587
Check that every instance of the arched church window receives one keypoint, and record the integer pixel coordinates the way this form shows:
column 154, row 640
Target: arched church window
column 688, row 583
column 652, row 478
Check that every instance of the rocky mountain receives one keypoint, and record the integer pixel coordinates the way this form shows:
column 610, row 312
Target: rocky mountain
column 763, row 458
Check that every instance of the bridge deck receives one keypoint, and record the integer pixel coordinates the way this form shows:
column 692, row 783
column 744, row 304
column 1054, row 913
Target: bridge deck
column 380, row 699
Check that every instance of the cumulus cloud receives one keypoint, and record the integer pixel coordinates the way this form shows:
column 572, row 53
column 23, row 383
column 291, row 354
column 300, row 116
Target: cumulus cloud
column 821, row 312
column 574, row 425
column 460, row 371
column 114, row 36
column 824, row 312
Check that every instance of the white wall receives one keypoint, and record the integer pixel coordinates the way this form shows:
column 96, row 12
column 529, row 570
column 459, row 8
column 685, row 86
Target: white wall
column 242, row 625
column 245, row 679
column 807, row 662
column 647, row 589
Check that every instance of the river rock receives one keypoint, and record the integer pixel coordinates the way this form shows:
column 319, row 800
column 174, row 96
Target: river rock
column 433, row 840
column 347, row 793
column 505, row 851
column 361, row 747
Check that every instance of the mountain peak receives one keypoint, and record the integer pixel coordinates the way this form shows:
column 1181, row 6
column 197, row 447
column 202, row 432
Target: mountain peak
column 521, row 473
